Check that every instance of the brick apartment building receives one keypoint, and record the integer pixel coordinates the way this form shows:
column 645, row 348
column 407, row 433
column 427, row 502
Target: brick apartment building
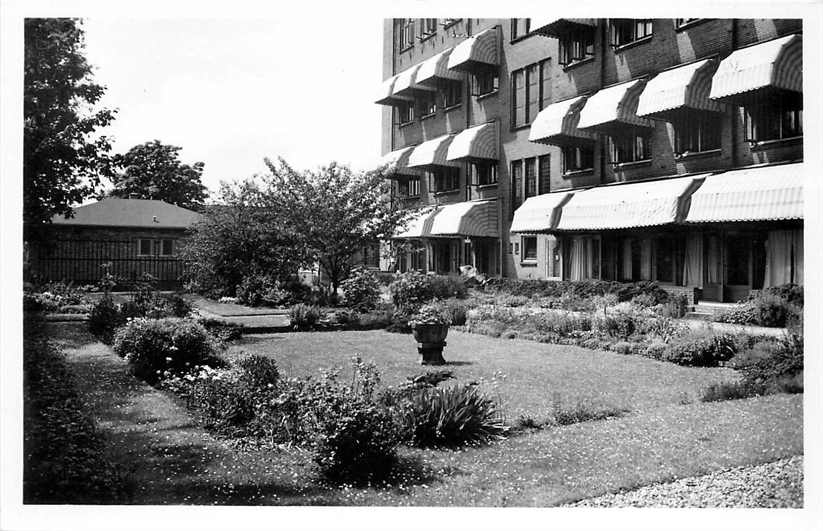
column 623, row 149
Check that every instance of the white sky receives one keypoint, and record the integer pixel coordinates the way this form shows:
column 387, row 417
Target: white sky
column 232, row 91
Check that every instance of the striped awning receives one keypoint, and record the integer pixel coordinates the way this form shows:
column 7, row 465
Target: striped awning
column 683, row 88
column 436, row 68
column 539, row 213
column 479, row 142
column 433, row 152
column 470, row 218
column 776, row 64
column 641, row 204
column 557, row 124
column 557, row 27
column 614, row 106
column 406, row 82
column 477, row 52
column 386, row 95
column 418, row 225
column 397, row 162
column 751, row 194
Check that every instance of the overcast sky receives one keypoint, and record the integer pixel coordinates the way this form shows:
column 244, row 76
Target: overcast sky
column 231, row 92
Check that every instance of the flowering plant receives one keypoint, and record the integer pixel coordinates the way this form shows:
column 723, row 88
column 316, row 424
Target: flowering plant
column 431, row 314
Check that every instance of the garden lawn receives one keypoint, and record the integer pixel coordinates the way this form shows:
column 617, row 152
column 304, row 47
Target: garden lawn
column 528, row 376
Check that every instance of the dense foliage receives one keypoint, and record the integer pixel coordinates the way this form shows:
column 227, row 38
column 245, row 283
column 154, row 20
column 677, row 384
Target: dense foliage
column 778, row 306
column 361, row 290
column 411, row 290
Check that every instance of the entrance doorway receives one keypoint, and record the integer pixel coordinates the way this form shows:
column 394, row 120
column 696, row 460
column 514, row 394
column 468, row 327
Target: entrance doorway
column 734, row 265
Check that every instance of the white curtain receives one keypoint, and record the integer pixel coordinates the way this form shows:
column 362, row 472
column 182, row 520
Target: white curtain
column 578, row 259
column 627, row 259
column 778, row 258
column 797, row 242
column 713, row 260
column 645, row 259
column 693, row 261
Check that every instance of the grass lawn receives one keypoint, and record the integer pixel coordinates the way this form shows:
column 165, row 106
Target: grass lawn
column 530, row 375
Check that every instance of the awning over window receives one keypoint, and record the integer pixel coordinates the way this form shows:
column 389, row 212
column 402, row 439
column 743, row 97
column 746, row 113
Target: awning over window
column 470, row 218
column 640, row 204
column 386, row 95
column 539, row 213
column 557, row 124
column 406, row 82
column 613, row 107
column 476, row 53
column 479, row 142
column 436, row 68
column 418, row 225
column 751, row 194
column 684, row 88
column 776, row 65
column 397, row 162
column 557, row 27
column 432, row 153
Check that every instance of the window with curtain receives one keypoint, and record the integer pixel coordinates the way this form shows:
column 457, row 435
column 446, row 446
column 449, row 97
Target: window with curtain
column 774, row 117
column 428, row 27
column 405, row 33
column 544, row 175
column 485, row 82
column 529, row 245
column 576, row 46
column 428, row 104
column 452, row 94
column 405, row 112
column 520, row 27
column 530, row 91
column 696, row 132
column 628, row 30
column 531, row 178
column 483, row 173
column 634, row 146
column 577, row 158
column 516, row 184
column 444, row 179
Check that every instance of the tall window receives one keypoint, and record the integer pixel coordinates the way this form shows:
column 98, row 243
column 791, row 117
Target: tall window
column 530, row 92
column 167, row 247
column 444, row 179
column 520, row 27
column 516, row 183
column 405, row 112
column 452, row 94
column 428, row 103
column 371, row 255
column 543, row 169
column 531, row 178
column 664, row 259
column 577, row 158
column 529, row 246
column 428, row 27
column 485, row 82
column 774, row 117
column 576, row 46
column 632, row 147
column 628, row 30
column 697, row 132
column 482, row 173
column 405, row 34
column 144, row 247
column 409, row 188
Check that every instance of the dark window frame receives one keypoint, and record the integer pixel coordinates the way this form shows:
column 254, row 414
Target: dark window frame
column 529, row 246
column 576, row 46
column 582, row 153
column 451, row 94
column 428, row 28
column 485, row 82
column 443, row 179
column 405, row 34
column 627, row 143
column 483, row 173
column 698, row 132
column 626, row 31
column 765, row 119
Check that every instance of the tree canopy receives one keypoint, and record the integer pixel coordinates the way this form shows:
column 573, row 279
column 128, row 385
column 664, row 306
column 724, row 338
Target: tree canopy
column 153, row 170
column 64, row 157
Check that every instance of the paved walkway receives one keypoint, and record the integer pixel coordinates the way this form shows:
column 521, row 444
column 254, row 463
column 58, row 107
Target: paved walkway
column 253, row 320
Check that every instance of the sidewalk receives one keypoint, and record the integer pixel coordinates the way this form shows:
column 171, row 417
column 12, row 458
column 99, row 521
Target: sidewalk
column 253, row 320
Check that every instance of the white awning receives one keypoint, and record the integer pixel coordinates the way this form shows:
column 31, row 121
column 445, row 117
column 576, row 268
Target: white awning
column 406, row 82
column 418, row 224
column 614, row 106
column 683, row 88
column 539, row 213
column 557, row 124
column 557, row 27
column 776, row 64
column 620, row 206
column 397, row 161
column 436, row 68
column 479, row 142
column 751, row 194
column 432, row 153
column 477, row 52
column 386, row 95
column 470, row 218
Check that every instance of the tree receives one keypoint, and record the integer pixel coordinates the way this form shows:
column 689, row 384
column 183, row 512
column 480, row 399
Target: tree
column 333, row 212
column 63, row 157
column 153, row 171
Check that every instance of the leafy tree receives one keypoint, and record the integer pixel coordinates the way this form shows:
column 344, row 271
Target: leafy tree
column 63, row 156
column 333, row 212
column 153, row 171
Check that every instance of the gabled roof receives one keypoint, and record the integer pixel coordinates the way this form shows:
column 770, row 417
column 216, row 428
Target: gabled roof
column 144, row 213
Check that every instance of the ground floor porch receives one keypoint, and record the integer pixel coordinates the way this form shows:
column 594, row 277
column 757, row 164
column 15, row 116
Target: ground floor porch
column 446, row 255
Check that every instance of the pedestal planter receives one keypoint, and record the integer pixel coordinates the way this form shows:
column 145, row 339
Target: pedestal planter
column 430, row 339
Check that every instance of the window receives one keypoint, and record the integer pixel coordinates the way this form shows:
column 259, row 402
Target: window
column 405, row 33
column 428, row 27
column 444, row 179
column 452, row 94
column 371, row 255
column 167, row 248
column 577, row 158
column 664, row 259
column 447, row 22
column 679, row 22
column 148, row 247
column 530, row 92
column 409, row 188
column 428, row 104
column 531, row 178
column 774, row 118
column 576, row 46
column 485, row 83
column 516, row 183
column 520, row 27
column 405, row 112
column 144, row 247
column 529, row 244
column 544, row 164
column 697, row 132
column 482, row 173
column 628, row 30
column 631, row 147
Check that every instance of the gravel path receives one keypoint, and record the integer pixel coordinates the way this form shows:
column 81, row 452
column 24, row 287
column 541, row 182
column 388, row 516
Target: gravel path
column 776, row 484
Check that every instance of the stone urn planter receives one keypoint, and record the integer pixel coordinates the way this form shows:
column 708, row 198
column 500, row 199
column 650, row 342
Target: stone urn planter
column 431, row 340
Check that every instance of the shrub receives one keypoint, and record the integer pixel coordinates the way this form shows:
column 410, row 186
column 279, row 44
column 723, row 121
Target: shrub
column 781, row 368
column 451, row 416
column 732, row 391
column 584, row 411
column 676, row 306
column 664, row 329
column 444, row 287
column 644, row 300
column 616, row 324
column 514, row 300
column 222, row 330
column 458, row 311
column 701, row 351
column 104, row 318
column 777, row 306
column 258, row 372
column 155, row 346
column 361, row 290
column 375, row 319
column 410, row 290
column 303, row 316
column 176, row 305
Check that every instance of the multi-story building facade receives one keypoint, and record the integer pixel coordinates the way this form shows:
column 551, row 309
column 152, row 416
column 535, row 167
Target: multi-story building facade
column 621, row 149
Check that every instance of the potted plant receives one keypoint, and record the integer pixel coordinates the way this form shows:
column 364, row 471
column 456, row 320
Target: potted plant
column 430, row 325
